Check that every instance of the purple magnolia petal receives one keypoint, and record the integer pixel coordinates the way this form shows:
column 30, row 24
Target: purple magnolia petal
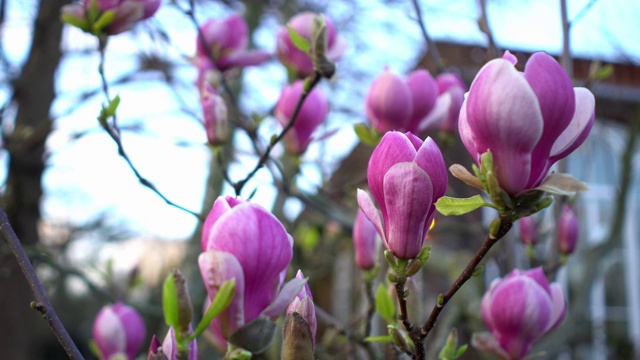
column 170, row 346
column 369, row 210
column 438, row 114
column 579, row 127
column 312, row 114
column 262, row 246
column 109, row 333
column 466, row 134
column 429, row 158
column 485, row 306
column 555, row 94
column 424, row 91
column 243, row 58
column 388, row 102
column 284, row 298
column 125, row 17
column 559, row 307
column 539, row 276
column 216, row 268
column 521, row 311
column 498, row 95
column 510, row 57
column 220, row 206
column 394, row 147
column 407, row 211
column 365, row 242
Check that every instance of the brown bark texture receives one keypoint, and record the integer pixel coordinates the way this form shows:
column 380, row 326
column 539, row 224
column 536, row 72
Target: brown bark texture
column 33, row 93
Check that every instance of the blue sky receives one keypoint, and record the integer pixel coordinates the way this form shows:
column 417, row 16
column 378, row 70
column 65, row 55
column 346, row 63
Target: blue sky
column 86, row 177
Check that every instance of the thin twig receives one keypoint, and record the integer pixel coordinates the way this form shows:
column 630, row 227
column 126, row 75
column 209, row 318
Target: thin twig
column 371, row 307
column 432, row 49
column 466, row 274
column 414, row 335
column 114, row 132
column 42, row 303
column 315, row 78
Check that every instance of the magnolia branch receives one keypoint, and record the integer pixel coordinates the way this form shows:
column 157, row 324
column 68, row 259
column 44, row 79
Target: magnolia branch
column 467, row 273
column 42, row 302
column 114, row 132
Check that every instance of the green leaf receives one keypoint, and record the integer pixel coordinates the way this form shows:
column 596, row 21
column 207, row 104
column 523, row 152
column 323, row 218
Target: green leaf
column 604, row 72
column 384, row 339
column 113, row 106
column 170, row 301
column 367, row 135
column 93, row 12
column 461, row 350
column 219, row 304
column 458, row 206
column 299, row 41
column 384, row 304
column 80, row 23
column 105, row 19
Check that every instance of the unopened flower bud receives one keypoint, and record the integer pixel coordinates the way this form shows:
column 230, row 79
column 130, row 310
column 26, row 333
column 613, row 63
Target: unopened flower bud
column 118, row 330
column 528, row 230
column 216, row 119
column 568, row 229
column 303, row 305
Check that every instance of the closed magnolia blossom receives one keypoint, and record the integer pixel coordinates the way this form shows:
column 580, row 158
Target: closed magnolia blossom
column 528, row 120
column 245, row 242
column 216, row 121
column 568, row 229
column 303, row 305
column 225, row 42
column 297, row 59
column 365, row 242
column 451, row 90
column 118, row 332
column 170, row 347
column 406, row 177
column 406, row 104
column 528, row 230
column 313, row 112
column 126, row 12
column 520, row 308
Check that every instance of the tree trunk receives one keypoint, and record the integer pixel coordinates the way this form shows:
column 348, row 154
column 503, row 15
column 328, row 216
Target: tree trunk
column 33, row 95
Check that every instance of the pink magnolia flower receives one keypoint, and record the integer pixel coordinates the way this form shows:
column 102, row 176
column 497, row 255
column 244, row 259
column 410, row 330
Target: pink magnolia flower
column 528, row 120
column 126, row 12
column 170, row 347
column 303, row 305
column 118, row 330
column 528, row 230
column 520, row 308
column 243, row 241
column 313, row 112
column 568, row 229
column 412, row 104
column 216, row 121
column 406, row 177
column 365, row 242
column 225, row 43
column 451, row 90
column 296, row 59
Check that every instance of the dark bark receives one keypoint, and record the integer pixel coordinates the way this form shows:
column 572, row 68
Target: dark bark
column 33, row 95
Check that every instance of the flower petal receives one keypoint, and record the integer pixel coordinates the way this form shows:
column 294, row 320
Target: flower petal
column 408, row 196
column 371, row 213
column 559, row 306
column 243, row 58
column 216, row 267
column 394, row 147
column 555, row 94
column 388, row 102
column 262, row 246
column 424, row 91
column 284, row 298
column 579, row 127
column 503, row 113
